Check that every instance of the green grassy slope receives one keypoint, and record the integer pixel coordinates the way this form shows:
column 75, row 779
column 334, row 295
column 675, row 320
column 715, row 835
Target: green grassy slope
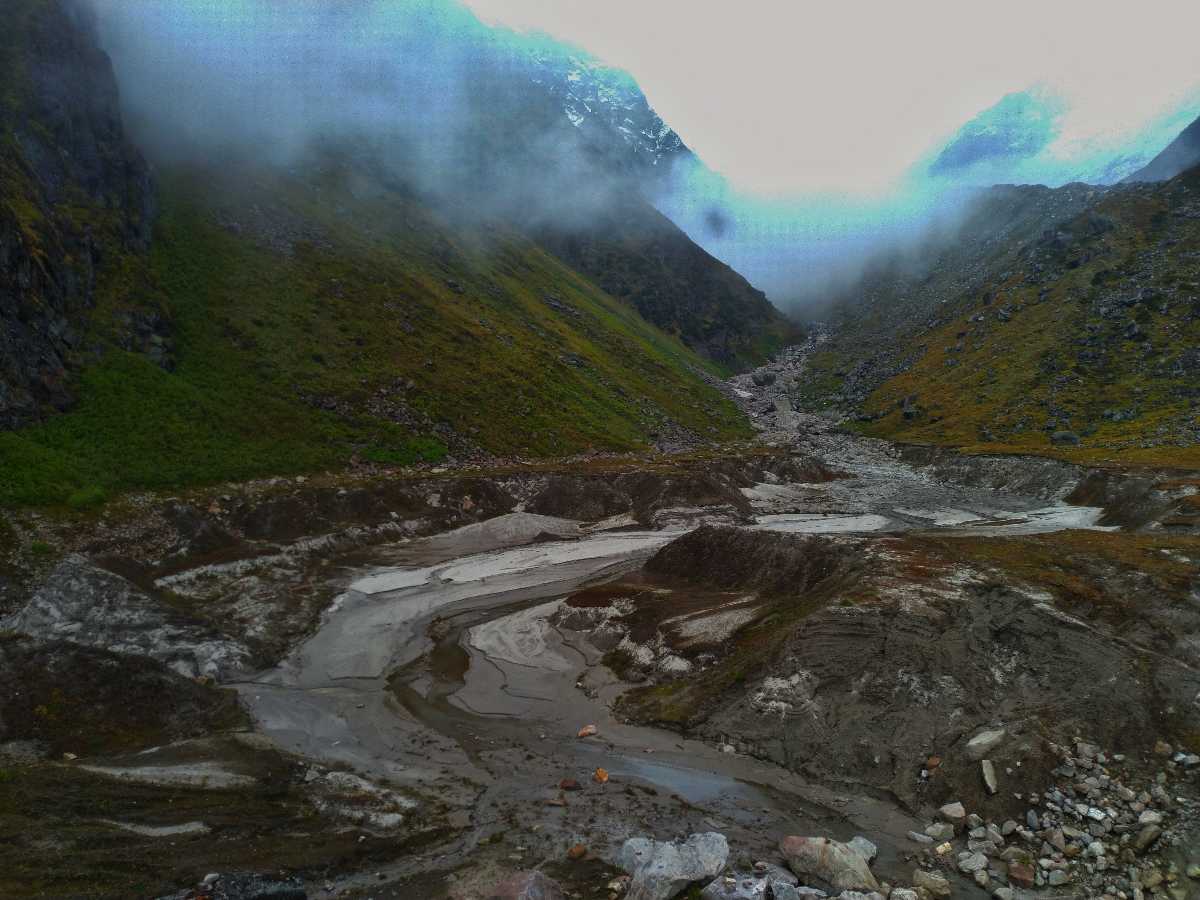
column 1101, row 348
column 1082, row 342
column 315, row 320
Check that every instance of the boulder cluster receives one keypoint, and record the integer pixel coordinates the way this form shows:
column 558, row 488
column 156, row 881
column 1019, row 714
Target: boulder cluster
column 1099, row 829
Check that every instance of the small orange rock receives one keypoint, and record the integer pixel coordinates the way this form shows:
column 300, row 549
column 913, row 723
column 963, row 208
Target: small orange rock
column 933, row 762
column 588, row 731
column 577, row 852
column 600, row 776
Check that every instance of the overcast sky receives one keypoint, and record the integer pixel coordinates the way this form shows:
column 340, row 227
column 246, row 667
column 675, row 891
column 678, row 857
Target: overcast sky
column 791, row 96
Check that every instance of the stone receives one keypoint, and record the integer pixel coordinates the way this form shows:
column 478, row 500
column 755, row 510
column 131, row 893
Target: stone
column 1022, row 874
column 989, row 776
column 1003, row 893
column 954, row 813
column 841, row 865
column 936, row 885
column 972, row 862
column 1150, row 817
column 940, row 831
column 794, row 892
column 984, row 743
column 868, row 850
column 903, row 894
column 1146, row 837
column 527, row 886
column 922, row 838
column 1057, row 877
column 660, row 870
column 736, row 887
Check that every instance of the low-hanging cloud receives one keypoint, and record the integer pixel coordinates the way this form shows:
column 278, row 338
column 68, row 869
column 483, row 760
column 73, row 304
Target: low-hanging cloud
column 447, row 103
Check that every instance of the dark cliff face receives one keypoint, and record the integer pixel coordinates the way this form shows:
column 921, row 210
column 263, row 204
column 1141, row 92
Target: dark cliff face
column 75, row 196
column 639, row 256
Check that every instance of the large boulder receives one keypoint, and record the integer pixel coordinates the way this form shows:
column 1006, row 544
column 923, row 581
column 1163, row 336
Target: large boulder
column 84, row 604
column 527, row 886
column 662, row 870
column 840, row 865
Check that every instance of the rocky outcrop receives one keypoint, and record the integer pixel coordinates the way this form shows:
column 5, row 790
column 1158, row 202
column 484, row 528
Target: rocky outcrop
column 736, row 559
column 661, row 870
column 87, row 605
column 77, row 196
column 841, row 865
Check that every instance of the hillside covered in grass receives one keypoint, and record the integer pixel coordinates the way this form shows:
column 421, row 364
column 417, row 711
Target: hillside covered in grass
column 1059, row 321
column 311, row 326
column 238, row 317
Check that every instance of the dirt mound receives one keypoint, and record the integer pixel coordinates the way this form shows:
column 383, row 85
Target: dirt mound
column 580, row 497
column 729, row 559
column 875, row 657
column 81, row 700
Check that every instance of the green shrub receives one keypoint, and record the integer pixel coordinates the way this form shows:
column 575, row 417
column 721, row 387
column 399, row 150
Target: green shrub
column 87, row 498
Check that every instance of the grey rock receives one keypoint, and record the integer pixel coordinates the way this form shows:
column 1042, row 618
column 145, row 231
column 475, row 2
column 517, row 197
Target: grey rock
column 660, row 870
column 841, row 865
column 972, row 862
column 936, row 885
column 984, row 743
column 1147, row 836
column 783, row 891
column 737, row 886
column 940, row 831
column 953, row 813
column 527, row 886
column 84, row 604
column 868, row 850
column 923, row 838
column 988, row 771
column 903, row 894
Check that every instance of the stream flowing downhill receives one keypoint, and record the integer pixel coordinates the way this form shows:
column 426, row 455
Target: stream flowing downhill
column 446, row 672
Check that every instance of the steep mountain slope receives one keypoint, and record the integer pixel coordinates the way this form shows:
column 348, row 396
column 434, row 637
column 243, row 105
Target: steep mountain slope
column 1080, row 341
column 1179, row 155
column 336, row 310
column 73, row 192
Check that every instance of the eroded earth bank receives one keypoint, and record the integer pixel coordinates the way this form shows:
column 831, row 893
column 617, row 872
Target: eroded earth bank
column 819, row 663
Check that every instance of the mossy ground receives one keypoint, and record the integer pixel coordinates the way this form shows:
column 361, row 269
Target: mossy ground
column 314, row 323
column 995, row 383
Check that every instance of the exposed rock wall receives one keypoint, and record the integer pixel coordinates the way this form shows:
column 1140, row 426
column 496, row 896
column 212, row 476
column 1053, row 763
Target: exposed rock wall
column 74, row 196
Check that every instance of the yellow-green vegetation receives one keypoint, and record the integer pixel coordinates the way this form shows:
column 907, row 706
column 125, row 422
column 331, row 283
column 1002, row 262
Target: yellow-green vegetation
column 1108, row 574
column 314, row 320
column 1100, row 349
